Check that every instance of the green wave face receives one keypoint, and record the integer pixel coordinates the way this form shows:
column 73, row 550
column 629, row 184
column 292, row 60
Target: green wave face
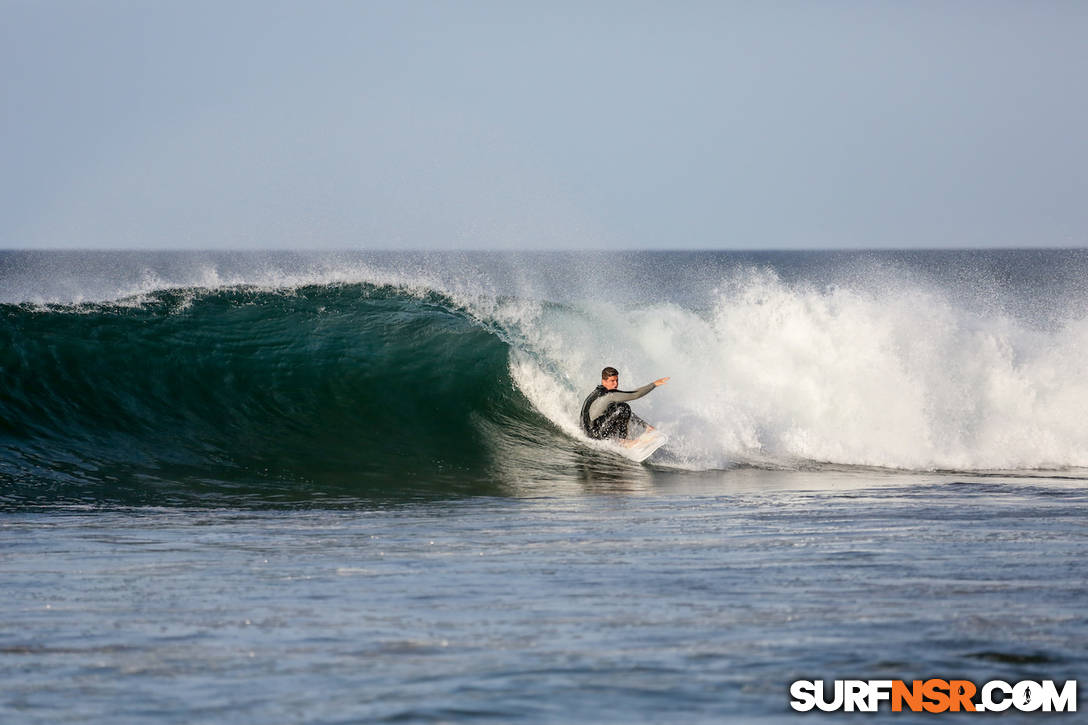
column 192, row 397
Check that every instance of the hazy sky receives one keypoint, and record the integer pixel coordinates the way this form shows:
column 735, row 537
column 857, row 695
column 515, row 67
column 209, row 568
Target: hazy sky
column 543, row 125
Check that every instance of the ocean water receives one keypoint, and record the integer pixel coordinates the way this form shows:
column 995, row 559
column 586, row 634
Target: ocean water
column 349, row 487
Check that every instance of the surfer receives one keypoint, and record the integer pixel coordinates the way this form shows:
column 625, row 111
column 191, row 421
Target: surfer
column 605, row 413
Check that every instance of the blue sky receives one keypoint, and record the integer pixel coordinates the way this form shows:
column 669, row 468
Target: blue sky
column 518, row 125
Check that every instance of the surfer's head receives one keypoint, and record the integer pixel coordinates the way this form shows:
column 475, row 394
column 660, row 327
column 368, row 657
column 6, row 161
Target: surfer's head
column 610, row 378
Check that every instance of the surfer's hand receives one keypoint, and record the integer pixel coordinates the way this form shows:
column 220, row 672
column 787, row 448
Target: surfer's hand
column 662, row 381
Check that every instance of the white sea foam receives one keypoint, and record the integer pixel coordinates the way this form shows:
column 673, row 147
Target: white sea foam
column 776, row 374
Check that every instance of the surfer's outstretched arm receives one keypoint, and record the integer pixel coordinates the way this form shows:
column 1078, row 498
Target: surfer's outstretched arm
column 622, row 396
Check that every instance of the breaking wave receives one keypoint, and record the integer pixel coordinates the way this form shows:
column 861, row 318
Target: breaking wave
column 334, row 388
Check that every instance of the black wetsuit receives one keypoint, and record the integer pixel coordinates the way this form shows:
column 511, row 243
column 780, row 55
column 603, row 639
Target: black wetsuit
column 606, row 414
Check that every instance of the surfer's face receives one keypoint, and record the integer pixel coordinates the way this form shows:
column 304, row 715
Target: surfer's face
column 611, row 383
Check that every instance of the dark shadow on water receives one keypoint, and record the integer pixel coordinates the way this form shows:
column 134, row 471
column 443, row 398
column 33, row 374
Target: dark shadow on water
column 537, row 462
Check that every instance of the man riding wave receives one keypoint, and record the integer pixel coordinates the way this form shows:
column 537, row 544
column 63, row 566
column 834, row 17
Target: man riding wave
column 606, row 414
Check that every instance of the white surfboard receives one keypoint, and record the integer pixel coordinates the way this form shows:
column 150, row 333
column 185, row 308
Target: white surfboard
column 641, row 448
